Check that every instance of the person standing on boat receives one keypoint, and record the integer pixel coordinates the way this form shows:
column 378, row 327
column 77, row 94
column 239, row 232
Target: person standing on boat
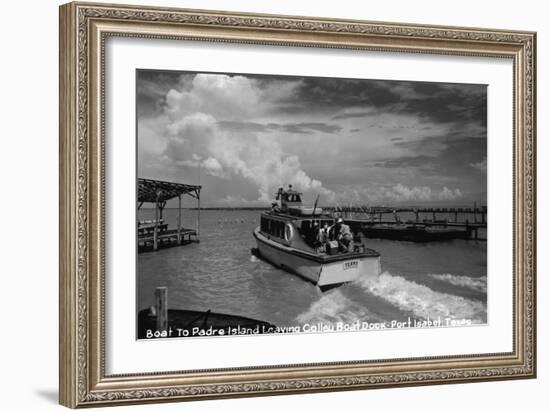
column 312, row 234
column 341, row 233
column 322, row 237
column 323, row 234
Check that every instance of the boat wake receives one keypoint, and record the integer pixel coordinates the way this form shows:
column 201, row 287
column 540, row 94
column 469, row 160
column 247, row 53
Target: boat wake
column 335, row 307
column 477, row 284
column 416, row 300
column 422, row 301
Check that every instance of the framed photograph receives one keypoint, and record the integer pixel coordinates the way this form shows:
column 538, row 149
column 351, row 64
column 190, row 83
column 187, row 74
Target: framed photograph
column 259, row 204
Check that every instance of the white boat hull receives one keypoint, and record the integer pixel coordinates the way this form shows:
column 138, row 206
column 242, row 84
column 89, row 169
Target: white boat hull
column 323, row 274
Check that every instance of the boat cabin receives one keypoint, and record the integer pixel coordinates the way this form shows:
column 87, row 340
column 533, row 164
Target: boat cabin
column 292, row 224
column 288, row 198
column 298, row 232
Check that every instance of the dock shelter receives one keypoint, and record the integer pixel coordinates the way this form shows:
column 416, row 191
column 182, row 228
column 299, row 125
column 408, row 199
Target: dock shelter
column 153, row 234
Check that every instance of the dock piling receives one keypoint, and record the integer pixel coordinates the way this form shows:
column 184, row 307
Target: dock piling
column 156, row 232
column 179, row 219
column 161, row 306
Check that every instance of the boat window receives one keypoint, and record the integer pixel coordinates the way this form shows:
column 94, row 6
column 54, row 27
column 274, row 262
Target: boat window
column 280, row 229
column 273, row 227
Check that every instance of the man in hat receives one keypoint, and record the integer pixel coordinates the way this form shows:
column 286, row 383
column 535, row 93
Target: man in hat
column 342, row 233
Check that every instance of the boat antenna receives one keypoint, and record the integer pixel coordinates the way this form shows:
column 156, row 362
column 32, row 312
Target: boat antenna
column 315, row 205
column 199, row 172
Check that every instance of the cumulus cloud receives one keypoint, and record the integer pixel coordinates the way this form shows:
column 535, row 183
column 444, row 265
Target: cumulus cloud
column 212, row 165
column 481, row 166
column 226, row 97
column 196, row 137
column 348, row 140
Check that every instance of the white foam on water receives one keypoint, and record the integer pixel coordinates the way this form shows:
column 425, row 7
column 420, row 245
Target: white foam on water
column 254, row 259
column 422, row 301
column 473, row 283
column 335, row 307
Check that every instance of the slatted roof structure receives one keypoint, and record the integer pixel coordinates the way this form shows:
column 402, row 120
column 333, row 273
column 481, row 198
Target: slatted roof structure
column 156, row 191
column 159, row 192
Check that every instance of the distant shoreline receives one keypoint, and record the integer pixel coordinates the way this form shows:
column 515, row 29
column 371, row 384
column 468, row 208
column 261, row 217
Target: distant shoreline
column 320, row 206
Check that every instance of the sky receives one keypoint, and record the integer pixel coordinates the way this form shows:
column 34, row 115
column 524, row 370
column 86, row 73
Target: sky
column 359, row 141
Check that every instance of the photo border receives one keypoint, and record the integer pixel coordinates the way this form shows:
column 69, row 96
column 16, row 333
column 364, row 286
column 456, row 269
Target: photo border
column 84, row 28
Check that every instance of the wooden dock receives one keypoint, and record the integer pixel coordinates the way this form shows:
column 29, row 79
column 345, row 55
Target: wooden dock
column 478, row 214
column 472, row 231
column 472, row 225
column 167, row 238
column 155, row 234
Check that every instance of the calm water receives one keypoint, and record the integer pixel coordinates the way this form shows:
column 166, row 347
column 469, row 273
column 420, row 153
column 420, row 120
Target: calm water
column 419, row 280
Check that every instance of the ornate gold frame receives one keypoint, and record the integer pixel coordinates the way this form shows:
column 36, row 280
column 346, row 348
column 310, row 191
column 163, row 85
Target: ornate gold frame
column 83, row 30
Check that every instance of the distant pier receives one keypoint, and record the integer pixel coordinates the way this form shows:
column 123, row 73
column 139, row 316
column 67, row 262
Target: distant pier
column 476, row 212
column 436, row 223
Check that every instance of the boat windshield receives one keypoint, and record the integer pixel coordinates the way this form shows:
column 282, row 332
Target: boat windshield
column 292, row 198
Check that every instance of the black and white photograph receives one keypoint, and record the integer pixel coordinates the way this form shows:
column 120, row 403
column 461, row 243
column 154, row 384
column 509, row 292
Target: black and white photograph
column 271, row 204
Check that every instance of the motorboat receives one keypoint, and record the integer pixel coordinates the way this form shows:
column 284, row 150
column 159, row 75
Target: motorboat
column 313, row 244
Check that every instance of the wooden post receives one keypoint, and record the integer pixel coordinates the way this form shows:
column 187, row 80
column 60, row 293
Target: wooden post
column 456, row 216
column 179, row 219
column 433, row 215
column 155, row 233
column 198, row 214
column 161, row 306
